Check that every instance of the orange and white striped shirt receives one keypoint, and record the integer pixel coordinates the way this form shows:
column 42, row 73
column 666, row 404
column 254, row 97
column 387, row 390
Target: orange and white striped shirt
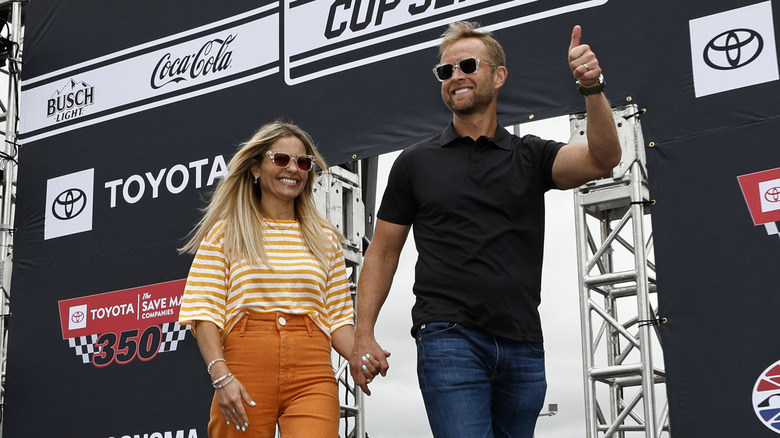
column 222, row 291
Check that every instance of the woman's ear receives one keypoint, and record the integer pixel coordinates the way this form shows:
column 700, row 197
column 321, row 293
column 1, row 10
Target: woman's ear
column 255, row 169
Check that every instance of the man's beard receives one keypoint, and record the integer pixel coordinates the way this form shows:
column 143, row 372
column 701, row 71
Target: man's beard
column 478, row 102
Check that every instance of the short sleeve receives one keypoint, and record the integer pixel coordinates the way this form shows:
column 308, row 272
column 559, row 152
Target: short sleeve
column 398, row 204
column 205, row 292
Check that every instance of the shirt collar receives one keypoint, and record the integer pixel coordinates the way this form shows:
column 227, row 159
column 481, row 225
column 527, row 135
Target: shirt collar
column 502, row 139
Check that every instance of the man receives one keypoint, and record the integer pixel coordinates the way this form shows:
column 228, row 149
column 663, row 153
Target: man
column 475, row 195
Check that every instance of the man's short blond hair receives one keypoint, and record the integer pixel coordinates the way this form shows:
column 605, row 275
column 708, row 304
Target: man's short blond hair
column 466, row 29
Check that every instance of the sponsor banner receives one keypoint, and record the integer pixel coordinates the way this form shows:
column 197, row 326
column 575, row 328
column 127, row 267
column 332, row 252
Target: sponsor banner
column 322, row 38
column 70, row 199
column 762, row 195
column 206, row 59
column 766, row 397
column 122, row 326
column 733, row 49
column 181, row 433
column 319, row 39
column 713, row 266
column 135, row 308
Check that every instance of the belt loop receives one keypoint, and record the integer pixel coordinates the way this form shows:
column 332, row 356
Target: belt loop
column 308, row 323
column 244, row 320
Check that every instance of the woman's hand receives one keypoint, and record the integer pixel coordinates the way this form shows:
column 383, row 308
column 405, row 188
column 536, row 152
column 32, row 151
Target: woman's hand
column 231, row 398
column 231, row 394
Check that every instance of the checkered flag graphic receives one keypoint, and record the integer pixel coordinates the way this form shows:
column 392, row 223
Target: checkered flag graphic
column 84, row 346
column 772, row 228
column 172, row 333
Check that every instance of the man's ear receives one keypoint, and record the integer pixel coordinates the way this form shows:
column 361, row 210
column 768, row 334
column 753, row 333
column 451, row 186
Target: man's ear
column 500, row 76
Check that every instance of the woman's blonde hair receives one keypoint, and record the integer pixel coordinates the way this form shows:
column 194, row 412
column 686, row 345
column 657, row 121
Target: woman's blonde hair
column 236, row 201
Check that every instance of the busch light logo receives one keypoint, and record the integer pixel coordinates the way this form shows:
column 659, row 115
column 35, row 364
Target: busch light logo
column 70, row 101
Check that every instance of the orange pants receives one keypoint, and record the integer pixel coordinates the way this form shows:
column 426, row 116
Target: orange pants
column 284, row 363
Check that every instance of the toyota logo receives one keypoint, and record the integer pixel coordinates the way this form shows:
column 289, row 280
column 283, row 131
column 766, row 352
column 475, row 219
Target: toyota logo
column 773, row 194
column 733, row 49
column 69, row 204
column 77, row 317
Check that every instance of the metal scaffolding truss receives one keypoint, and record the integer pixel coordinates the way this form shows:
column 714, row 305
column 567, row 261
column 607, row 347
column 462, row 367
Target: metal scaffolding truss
column 624, row 381
column 338, row 195
column 10, row 67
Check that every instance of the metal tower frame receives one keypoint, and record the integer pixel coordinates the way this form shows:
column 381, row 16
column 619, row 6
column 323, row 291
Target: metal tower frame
column 338, row 194
column 619, row 320
column 10, row 70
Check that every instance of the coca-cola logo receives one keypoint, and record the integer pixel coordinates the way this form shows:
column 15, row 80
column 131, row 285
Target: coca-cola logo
column 213, row 57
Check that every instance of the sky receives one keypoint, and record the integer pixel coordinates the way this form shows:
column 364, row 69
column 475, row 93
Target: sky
column 395, row 408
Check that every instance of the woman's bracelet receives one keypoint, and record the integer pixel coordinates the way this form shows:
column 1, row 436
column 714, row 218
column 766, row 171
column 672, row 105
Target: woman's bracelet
column 229, row 377
column 211, row 364
column 214, row 383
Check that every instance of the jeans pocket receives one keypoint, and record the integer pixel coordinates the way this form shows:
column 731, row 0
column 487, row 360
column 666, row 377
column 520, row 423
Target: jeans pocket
column 537, row 347
column 432, row 329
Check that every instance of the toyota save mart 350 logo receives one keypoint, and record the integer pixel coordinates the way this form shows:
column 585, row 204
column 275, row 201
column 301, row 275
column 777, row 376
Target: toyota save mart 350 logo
column 762, row 195
column 123, row 326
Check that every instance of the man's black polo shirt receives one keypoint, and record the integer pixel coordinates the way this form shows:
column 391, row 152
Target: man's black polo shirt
column 477, row 210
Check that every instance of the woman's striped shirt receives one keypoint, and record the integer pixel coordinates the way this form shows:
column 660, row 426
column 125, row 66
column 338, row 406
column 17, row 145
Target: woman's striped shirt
column 222, row 291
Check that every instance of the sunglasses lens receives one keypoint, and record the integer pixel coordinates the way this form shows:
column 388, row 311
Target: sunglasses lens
column 281, row 160
column 304, row 163
column 444, row 71
column 468, row 66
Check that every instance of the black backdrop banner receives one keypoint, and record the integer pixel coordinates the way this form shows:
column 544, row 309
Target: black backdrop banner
column 131, row 110
column 716, row 280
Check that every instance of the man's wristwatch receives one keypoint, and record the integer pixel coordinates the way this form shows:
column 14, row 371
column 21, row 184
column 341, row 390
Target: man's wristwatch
column 595, row 89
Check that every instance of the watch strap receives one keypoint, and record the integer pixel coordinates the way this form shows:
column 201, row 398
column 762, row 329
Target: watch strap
column 595, row 89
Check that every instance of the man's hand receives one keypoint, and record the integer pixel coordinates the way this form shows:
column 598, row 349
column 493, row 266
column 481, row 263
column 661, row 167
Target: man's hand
column 367, row 361
column 583, row 62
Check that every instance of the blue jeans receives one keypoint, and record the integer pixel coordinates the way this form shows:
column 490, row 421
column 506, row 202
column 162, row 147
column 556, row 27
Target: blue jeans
column 478, row 385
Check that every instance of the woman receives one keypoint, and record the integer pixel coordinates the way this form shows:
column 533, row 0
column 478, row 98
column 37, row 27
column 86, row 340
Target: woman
column 268, row 293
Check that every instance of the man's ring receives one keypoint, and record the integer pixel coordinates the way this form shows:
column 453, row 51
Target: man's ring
column 233, row 411
column 586, row 67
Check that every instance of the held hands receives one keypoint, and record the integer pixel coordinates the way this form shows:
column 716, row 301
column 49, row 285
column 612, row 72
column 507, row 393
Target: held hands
column 583, row 62
column 367, row 361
